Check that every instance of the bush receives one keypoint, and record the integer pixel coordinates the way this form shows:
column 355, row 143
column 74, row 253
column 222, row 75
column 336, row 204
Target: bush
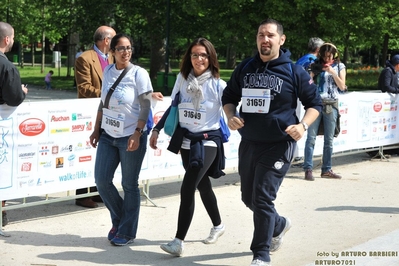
column 362, row 78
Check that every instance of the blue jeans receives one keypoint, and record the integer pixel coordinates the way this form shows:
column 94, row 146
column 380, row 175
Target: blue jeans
column 329, row 122
column 48, row 85
column 124, row 211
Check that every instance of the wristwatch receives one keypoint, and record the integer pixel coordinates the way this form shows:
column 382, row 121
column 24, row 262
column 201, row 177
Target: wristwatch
column 140, row 130
column 305, row 126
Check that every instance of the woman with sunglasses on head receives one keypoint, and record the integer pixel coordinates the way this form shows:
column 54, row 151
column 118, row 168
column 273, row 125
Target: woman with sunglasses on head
column 200, row 109
column 121, row 138
column 329, row 74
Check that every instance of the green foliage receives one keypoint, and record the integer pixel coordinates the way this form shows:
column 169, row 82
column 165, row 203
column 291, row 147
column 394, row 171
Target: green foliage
column 229, row 24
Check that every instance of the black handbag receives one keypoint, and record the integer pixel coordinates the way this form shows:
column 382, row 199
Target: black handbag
column 320, row 130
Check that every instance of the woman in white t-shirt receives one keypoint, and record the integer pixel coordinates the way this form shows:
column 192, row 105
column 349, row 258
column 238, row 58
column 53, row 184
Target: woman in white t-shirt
column 120, row 132
column 197, row 138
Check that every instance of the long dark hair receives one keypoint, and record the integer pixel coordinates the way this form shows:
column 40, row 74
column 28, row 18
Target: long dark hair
column 186, row 65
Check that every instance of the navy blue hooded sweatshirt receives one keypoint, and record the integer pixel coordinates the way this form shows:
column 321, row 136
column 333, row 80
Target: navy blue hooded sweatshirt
column 287, row 83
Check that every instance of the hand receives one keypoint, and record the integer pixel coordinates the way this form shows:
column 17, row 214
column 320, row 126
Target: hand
column 154, row 140
column 94, row 138
column 157, row 96
column 133, row 142
column 295, row 131
column 235, row 122
column 329, row 69
column 24, row 88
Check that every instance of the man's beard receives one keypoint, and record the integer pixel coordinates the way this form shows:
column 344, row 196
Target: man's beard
column 9, row 47
column 265, row 51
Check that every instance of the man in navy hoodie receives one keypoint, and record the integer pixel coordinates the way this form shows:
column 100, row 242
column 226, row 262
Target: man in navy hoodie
column 268, row 86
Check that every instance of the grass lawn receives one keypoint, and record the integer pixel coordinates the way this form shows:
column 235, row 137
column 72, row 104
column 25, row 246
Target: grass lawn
column 357, row 80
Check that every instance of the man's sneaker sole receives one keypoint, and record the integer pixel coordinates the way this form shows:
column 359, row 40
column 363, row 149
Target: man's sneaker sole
column 260, row 263
column 278, row 240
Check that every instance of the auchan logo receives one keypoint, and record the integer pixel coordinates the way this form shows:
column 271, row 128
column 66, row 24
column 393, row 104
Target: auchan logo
column 377, row 107
column 32, row 127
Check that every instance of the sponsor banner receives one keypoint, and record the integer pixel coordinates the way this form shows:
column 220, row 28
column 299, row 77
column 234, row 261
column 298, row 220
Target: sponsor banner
column 367, row 120
column 45, row 148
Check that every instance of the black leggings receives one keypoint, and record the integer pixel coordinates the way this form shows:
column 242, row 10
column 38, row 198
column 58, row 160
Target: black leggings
column 196, row 179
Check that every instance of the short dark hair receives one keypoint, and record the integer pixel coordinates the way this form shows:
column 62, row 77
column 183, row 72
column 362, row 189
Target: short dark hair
column 186, row 65
column 5, row 30
column 280, row 29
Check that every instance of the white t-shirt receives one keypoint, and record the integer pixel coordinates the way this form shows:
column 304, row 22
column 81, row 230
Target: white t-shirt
column 124, row 102
column 208, row 116
column 330, row 88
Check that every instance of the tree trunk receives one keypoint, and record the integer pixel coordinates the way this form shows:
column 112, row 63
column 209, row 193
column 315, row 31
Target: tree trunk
column 385, row 50
column 231, row 55
column 156, row 57
column 43, row 51
column 32, row 52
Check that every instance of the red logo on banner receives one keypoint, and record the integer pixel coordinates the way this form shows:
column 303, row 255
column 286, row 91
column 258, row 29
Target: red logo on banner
column 85, row 158
column 158, row 117
column 377, row 107
column 32, row 127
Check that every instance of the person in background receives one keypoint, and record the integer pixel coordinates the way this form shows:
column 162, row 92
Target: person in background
column 200, row 90
column 329, row 74
column 388, row 79
column 47, row 79
column 268, row 86
column 123, row 140
column 313, row 50
column 89, row 68
column 305, row 61
column 80, row 51
column 12, row 92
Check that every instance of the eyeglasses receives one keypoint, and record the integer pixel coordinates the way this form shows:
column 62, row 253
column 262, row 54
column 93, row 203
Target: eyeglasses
column 122, row 49
column 202, row 56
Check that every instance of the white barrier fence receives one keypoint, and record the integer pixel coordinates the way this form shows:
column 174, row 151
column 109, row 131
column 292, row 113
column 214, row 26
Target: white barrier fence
column 44, row 146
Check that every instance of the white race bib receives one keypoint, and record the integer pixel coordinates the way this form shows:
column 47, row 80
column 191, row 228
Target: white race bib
column 113, row 121
column 188, row 115
column 255, row 100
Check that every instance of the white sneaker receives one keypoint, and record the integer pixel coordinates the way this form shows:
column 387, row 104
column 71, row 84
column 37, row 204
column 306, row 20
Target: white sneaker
column 260, row 263
column 278, row 240
column 214, row 235
column 174, row 247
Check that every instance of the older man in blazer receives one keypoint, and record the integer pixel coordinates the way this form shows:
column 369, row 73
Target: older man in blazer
column 89, row 68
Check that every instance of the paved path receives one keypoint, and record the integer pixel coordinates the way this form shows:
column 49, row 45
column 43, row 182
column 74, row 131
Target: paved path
column 350, row 217
column 36, row 93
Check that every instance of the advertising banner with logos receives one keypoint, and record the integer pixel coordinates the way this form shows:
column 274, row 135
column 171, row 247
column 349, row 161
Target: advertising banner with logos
column 44, row 146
